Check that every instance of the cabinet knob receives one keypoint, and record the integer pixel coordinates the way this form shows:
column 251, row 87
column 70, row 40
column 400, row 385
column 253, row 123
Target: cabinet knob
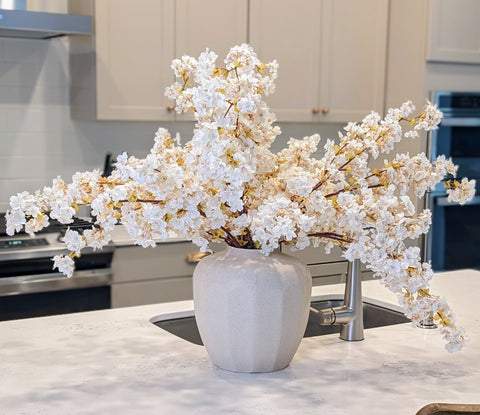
column 194, row 257
column 170, row 108
column 315, row 110
column 325, row 110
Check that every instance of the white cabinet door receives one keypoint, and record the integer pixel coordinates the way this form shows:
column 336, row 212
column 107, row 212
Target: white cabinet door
column 291, row 35
column 353, row 59
column 332, row 56
column 156, row 291
column 152, row 275
column 129, row 62
column 213, row 24
column 454, row 31
column 134, row 49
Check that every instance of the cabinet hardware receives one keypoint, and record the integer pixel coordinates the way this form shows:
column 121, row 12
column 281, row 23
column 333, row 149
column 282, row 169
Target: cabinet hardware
column 195, row 257
column 325, row 110
column 170, row 108
column 315, row 110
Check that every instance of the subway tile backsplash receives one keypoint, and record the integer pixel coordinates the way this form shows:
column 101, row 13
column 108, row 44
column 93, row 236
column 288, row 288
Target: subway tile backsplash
column 38, row 138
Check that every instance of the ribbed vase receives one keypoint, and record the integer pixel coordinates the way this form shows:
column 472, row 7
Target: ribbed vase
column 251, row 309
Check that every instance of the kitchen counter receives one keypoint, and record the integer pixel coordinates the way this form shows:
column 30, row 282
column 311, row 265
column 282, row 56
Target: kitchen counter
column 117, row 362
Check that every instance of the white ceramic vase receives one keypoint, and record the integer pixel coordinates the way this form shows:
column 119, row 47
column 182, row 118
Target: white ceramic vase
column 251, row 309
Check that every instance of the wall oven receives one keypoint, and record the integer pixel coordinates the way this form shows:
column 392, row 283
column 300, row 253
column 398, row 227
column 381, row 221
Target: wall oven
column 30, row 288
column 454, row 239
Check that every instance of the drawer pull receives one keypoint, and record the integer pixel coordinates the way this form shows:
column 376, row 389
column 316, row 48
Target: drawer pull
column 194, row 257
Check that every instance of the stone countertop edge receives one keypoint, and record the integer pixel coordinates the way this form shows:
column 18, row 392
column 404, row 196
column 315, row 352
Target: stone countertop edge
column 117, row 361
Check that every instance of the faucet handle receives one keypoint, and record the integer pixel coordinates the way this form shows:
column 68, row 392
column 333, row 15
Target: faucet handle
column 326, row 317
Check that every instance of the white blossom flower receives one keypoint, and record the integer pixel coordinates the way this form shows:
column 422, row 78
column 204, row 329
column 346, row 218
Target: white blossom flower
column 226, row 185
column 246, row 105
column 462, row 192
column 65, row 264
column 36, row 224
column 15, row 220
column 96, row 238
column 431, row 118
column 73, row 241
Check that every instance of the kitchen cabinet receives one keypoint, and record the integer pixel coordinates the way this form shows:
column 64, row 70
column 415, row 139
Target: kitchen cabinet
column 326, row 268
column 454, row 31
column 331, row 56
column 216, row 25
column 121, row 72
column 164, row 273
column 132, row 69
column 152, row 275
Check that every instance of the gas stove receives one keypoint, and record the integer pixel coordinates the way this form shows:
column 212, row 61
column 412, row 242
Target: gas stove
column 54, row 226
column 45, row 243
column 29, row 286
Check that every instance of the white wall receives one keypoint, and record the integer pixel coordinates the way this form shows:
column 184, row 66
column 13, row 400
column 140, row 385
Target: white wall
column 38, row 138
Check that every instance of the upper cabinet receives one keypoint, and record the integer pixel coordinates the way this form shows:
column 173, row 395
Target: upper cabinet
column 121, row 72
column 454, row 31
column 132, row 68
column 331, row 56
column 213, row 24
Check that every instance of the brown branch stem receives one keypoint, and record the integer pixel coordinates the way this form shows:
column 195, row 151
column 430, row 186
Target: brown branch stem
column 332, row 235
column 153, row 201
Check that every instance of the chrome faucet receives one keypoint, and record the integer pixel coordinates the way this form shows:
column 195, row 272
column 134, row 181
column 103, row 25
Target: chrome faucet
column 350, row 314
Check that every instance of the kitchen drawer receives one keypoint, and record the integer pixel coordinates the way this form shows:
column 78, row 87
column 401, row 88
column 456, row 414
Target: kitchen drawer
column 127, row 294
column 311, row 255
column 334, row 273
column 166, row 260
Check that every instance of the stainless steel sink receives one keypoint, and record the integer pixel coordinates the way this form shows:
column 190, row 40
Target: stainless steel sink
column 373, row 316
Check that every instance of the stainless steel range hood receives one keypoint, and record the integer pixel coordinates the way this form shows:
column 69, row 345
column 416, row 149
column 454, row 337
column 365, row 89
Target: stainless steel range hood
column 39, row 25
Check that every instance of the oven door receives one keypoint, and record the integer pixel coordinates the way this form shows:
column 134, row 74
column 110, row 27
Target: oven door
column 454, row 238
column 458, row 138
column 51, row 294
column 25, row 296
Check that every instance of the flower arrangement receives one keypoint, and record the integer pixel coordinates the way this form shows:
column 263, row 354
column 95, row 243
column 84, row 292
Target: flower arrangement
column 226, row 185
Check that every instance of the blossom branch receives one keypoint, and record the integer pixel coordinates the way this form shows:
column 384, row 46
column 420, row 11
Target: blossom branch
column 332, row 235
column 262, row 200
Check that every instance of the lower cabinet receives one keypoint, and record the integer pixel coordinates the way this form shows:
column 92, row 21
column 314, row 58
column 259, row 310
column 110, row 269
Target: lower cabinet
column 326, row 268
column 161, row 290
column 152, row 275
column 164, row 273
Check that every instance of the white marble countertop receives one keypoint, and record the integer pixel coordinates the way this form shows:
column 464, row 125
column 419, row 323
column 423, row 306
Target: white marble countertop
column 117, row 362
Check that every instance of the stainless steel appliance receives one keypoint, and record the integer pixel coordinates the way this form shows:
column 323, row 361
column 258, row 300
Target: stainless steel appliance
column 454, row 239
column 17, row 21
column 30, row 288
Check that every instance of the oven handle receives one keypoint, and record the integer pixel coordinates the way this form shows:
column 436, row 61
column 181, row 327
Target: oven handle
column 443, row 201
column 55, row 281
column 460, row 122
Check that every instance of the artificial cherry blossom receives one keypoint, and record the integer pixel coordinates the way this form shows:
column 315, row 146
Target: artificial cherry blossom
column 225, row 185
